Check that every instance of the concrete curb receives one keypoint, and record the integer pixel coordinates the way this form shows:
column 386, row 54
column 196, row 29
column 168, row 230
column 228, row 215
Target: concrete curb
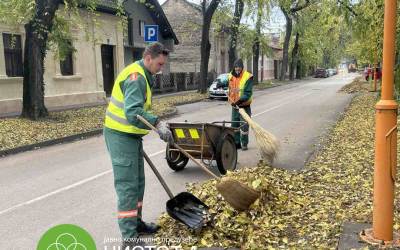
column 169, row 115
column 323, row 142
column 79, row 136
column 51, row 142
column 349, row 238
column 57, row 109
column 277, row 85
column 189, row 102
column 270, row 87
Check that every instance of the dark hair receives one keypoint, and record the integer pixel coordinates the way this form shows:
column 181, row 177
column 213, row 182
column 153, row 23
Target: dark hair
column 154, row 50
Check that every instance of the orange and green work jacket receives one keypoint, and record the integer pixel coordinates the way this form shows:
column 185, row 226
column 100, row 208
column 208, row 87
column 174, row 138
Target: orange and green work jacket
column 240, row 87
column 131, row 96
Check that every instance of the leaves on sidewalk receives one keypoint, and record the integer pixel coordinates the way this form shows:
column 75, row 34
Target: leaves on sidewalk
column 299, row 210
column 16, row 132
column 358, row 85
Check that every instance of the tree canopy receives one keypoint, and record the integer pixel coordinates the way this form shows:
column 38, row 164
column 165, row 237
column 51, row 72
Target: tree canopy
column 48, row 25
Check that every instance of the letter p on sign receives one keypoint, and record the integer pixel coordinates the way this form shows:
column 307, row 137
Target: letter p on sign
column 151, row 33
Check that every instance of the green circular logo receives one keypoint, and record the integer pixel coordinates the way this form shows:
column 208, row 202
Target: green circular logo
column 66, row 237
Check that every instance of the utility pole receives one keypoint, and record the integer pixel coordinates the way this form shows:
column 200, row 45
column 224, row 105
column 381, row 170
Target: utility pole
column 385, row 143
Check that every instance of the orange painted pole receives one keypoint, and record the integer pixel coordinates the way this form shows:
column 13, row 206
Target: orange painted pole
column 386, row 135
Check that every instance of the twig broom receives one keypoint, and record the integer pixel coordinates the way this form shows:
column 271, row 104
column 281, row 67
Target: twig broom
column 238, row 195
column 267, row 143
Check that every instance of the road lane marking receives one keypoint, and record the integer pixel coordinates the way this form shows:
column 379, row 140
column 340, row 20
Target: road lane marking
column 265, row 111
column 66, row 188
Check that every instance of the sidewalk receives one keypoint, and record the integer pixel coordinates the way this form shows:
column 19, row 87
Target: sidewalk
column 161, row 95
column 90, row 105
column 93, row 113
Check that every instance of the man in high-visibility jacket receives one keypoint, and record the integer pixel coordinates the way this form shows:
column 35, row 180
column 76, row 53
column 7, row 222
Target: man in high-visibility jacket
column 240, row 83
column 123, row 132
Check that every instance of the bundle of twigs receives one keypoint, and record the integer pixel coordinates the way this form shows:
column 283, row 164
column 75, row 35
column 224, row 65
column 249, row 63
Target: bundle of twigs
column 267, row 143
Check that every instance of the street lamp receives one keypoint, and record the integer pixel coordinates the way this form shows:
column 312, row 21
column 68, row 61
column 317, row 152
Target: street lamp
column 385, row 143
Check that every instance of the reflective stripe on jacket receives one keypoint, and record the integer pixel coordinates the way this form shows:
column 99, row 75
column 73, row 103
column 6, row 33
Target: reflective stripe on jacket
column 115, row 116
column 236, row 87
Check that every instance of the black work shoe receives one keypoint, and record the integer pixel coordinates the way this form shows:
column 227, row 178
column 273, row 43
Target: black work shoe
column 238, row 146
column 244, row 148
column 146, row 228
column 130, row 244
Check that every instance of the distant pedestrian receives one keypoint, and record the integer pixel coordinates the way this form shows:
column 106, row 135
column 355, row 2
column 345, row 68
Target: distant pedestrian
column 240, row 83
column 123, row 132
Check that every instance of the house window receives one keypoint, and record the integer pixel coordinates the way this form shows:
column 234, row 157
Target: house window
column 13, row 55
column 141, row 28
column 130, row 31
column 66, row 66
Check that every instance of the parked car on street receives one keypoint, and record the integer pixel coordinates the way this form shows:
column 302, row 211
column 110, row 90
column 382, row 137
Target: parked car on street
column 218, row 93
column 371, row 71
column 321, row 73
column 335, row 71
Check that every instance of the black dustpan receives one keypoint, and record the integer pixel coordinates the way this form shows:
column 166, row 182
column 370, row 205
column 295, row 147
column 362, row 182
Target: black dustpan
column 185, row 207
column 188, row 209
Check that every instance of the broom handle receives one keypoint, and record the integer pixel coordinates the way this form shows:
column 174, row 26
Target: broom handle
column 158, row 175
column 181, row 149
column 231, row 99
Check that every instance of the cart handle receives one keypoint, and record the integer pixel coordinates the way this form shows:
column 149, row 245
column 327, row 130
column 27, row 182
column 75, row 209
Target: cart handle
column 243, row 123
column 181, row 149
column 230, row 122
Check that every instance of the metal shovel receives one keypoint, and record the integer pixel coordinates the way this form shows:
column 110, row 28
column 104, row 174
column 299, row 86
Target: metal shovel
column 185, row 207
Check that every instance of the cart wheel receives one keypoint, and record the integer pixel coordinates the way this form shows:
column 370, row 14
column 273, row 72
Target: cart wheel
column 176, row 160
column 226, row 154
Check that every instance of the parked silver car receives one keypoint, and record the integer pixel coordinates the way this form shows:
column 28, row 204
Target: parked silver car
column 218, row 93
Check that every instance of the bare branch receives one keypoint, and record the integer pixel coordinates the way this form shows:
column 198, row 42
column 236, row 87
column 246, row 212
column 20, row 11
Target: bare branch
column 298, row 8
column 348, row 8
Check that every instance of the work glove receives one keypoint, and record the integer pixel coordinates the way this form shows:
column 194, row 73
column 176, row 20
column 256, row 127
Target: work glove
column 220, row 85
column 165, row 134
column 236, row 104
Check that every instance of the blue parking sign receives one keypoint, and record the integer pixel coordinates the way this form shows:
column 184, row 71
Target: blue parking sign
column 151, row 33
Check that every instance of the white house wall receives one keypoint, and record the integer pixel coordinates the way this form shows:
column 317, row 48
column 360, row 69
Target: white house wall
column 138, row 12
column 86, row 83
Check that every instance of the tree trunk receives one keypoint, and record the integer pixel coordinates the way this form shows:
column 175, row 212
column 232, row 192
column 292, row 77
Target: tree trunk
column 256, row 55
column 33, row 106
column 294, row 56
column 286, row 45
column 234, row 31
column 298, row 71
column 205, row 43
column 256, row 45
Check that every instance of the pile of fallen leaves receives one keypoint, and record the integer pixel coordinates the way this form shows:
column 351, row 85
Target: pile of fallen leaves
column 298, row 210
column 16, row 132
column 263, row 84
column 358, row 85
column 165, row 105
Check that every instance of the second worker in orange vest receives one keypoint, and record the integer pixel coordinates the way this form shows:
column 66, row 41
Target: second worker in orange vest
column 240, row 83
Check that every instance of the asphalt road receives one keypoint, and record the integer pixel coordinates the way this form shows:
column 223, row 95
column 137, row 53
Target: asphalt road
column 72, row 183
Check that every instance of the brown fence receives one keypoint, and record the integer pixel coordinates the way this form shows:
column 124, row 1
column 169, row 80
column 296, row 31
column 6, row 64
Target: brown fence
column 180, row 81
